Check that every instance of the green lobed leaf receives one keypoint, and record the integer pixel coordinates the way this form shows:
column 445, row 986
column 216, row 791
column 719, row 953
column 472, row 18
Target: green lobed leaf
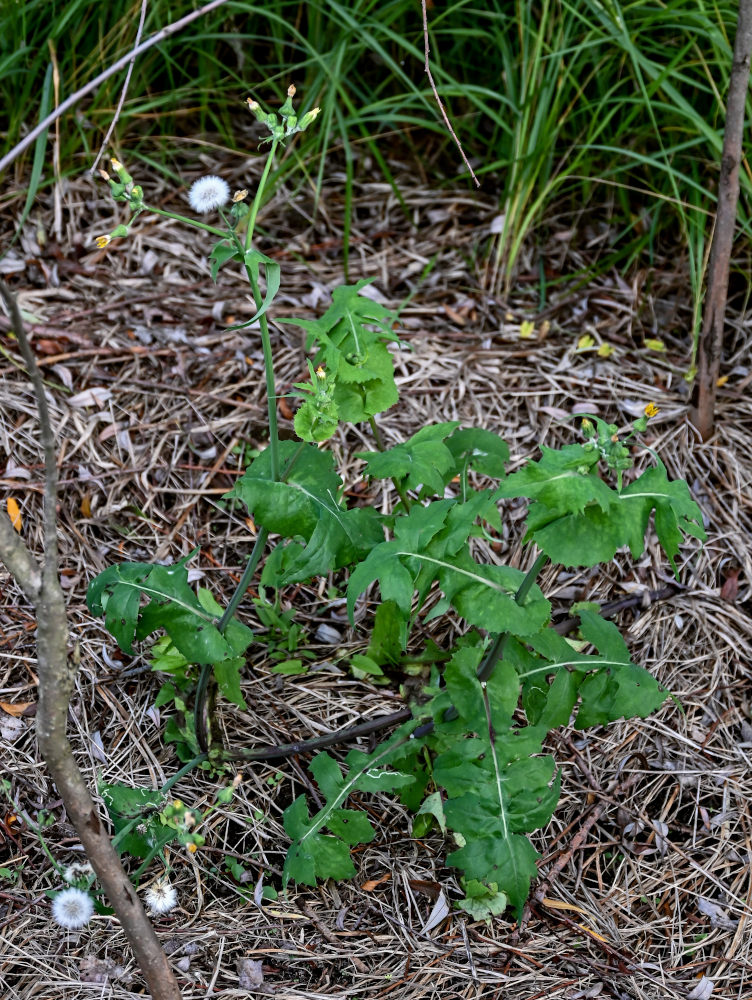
column 173, row 606
column 676, row 513
column 437, row 454
column 431, row 545
column 220, row 254
column 423, row 460
column 307, row 506
column 564, row 480
column 358, row 401
column 508, row 861
column 577, row 520
column 608, row 685
column 498, row 783
column 313, row 855
column 482, row 902
column 315, row 422
column 350, row 341
column 589, row 538
column 124, row 804
column 252, row 260
column 479, row 449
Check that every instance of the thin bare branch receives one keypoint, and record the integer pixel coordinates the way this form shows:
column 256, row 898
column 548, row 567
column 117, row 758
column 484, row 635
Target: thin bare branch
column 427, row 50
column 69, row 102
column 56, row 681
column 123, row 92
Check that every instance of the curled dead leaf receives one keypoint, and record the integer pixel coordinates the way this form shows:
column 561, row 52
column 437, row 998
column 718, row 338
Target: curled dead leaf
column 371, row 884
column 16, row 708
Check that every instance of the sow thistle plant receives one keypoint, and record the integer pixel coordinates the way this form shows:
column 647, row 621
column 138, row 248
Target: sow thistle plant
column 470, row 753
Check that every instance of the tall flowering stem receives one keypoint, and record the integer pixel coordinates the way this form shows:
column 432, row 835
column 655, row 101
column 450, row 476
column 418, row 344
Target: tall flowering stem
column 266, row 344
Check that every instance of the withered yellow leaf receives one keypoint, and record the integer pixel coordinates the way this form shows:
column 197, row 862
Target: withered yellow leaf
column 14, row 513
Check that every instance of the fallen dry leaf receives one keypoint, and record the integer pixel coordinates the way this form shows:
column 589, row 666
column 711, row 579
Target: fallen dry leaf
column 454, row 316
column 14, row 513
column 100, row 970
column 250, row 973
column 730, row 587
column 371, row 884
column 16, row 708
column 95, row 396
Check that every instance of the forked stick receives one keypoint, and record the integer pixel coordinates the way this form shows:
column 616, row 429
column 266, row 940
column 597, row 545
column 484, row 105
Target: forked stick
column 41, row 585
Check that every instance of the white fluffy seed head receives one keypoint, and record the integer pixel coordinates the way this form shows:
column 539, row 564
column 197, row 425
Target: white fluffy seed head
column 208, row 193
column 161, row 897
column 72, row 908
column 78, row 870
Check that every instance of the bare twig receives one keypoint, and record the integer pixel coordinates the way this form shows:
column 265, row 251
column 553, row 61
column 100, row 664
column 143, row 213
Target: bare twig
column 56, row 679
column 710, row 346
column 69, row 102
column 124, row 91
column 427, row 50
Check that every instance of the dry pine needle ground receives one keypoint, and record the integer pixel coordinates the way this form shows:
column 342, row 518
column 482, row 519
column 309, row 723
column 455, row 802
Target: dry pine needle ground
column 152, row 398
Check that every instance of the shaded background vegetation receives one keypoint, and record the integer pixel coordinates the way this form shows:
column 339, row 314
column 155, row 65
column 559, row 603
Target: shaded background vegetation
column 602, row 116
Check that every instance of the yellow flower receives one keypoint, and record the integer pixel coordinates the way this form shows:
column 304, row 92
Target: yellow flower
column 191, row 848
column 102, row 241
column 239, row 196
column 651, row 410
column 116, row 164
column 320, row 372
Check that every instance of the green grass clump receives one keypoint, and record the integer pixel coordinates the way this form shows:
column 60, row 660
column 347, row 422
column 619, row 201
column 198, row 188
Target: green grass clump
column 565, row 105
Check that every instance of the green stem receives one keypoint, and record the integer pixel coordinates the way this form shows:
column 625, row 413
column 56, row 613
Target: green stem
column 184, row 218
column 496, row 650
column 245, row 580
column 199, row 717
column 266, row 344
column 271, row 391
column 401, row 491
column 259, row 193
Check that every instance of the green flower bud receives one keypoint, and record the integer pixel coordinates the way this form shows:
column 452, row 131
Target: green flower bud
column 308, row 118
column 120, row 170
column 117, row 190
column 256, row 109
column 287, row 110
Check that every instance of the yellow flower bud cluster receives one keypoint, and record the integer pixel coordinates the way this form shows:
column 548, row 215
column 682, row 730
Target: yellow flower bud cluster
column 122, row 189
